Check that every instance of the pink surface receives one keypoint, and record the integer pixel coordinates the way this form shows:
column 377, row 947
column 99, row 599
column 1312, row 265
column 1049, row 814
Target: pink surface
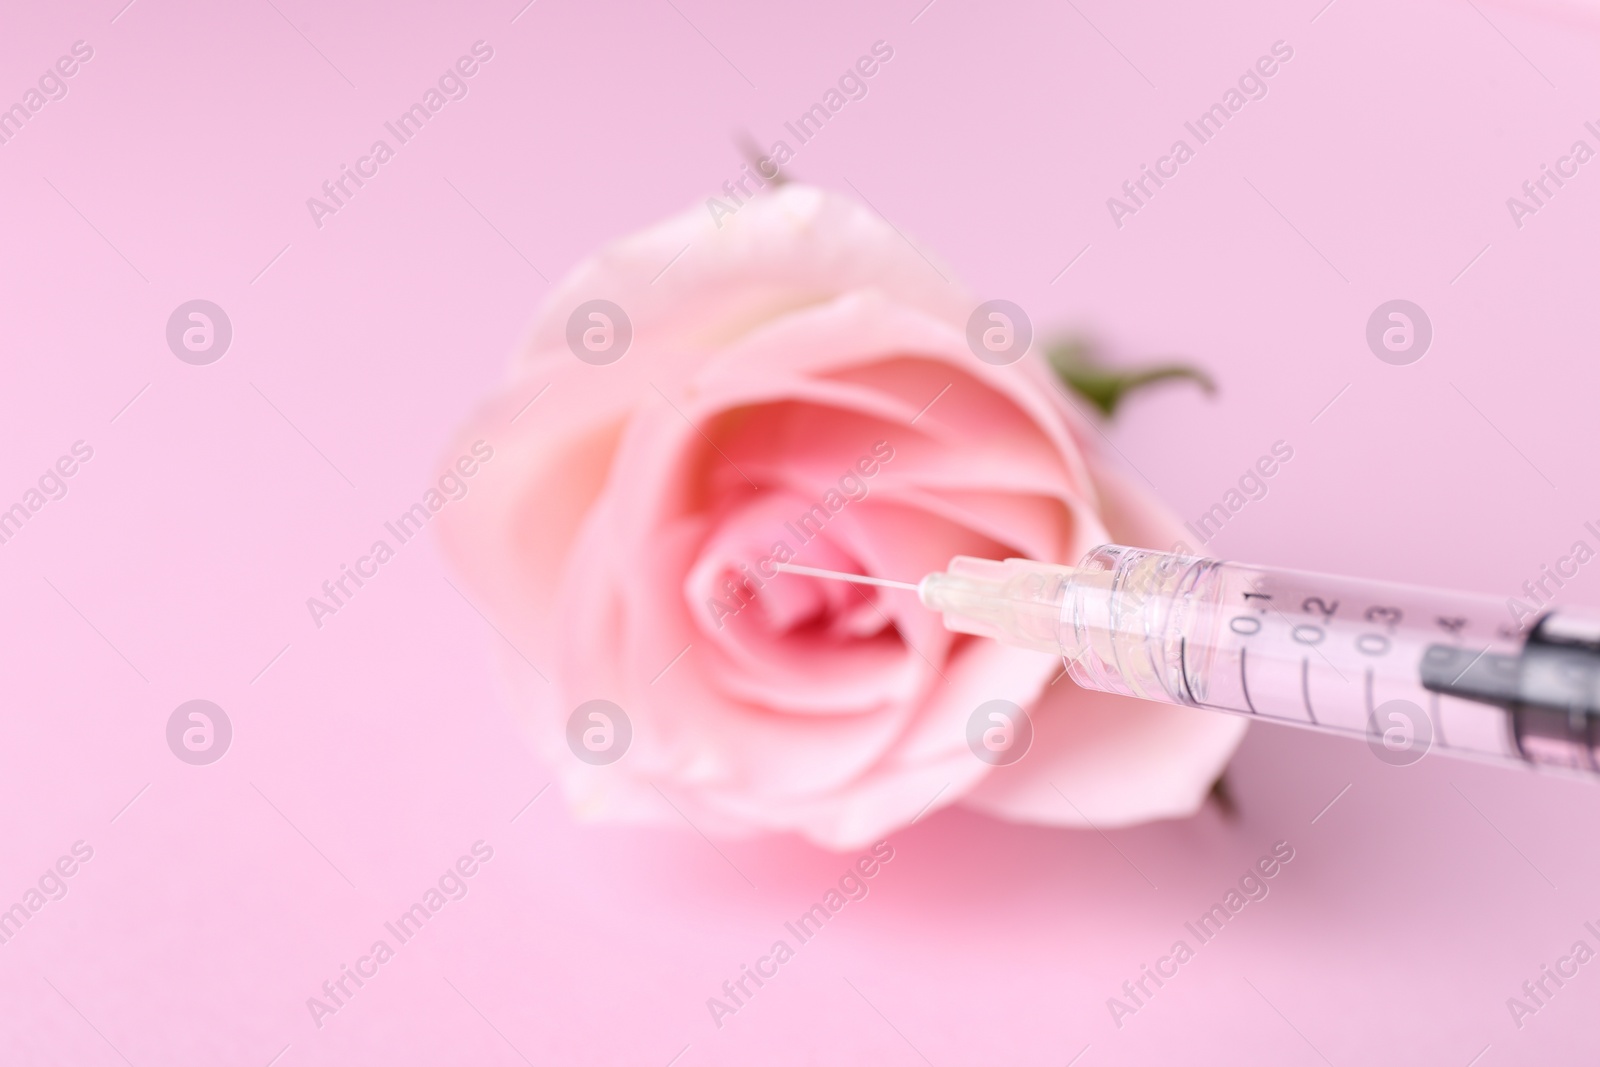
column 370, row 755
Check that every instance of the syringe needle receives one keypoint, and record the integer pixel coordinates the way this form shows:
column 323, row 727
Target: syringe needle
column 840, row 576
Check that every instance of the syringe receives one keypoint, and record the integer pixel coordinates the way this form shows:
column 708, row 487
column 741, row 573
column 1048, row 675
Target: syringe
column 1408, row 669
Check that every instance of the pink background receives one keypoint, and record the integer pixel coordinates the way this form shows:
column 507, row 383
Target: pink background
column 178, row 167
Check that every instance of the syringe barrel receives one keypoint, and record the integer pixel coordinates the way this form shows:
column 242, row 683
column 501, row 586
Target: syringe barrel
column 1410, row 669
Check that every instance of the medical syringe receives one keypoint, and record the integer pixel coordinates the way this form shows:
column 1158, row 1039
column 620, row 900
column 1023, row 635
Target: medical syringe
column 1407, row 668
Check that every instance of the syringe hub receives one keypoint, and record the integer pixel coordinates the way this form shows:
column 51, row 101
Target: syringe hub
column 1014, row 601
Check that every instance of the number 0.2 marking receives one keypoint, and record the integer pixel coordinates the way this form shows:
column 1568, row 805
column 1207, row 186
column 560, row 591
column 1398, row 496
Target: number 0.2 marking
column 1306, row 634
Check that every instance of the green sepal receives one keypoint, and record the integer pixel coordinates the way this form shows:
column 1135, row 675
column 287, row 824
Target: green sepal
column 1106, row 387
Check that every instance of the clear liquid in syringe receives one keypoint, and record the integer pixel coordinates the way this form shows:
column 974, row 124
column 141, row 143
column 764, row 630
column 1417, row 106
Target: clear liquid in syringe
column 1407, row 668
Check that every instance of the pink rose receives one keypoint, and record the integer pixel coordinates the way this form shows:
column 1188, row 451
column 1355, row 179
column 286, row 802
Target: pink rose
column 798, row 379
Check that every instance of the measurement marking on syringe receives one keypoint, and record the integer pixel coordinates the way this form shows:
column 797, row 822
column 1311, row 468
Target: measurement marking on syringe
column 1305, row 687
column 1294, row 632
column 1188, row 687
column 1244, row 684
column 1183, row 670
column 1373, row 729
